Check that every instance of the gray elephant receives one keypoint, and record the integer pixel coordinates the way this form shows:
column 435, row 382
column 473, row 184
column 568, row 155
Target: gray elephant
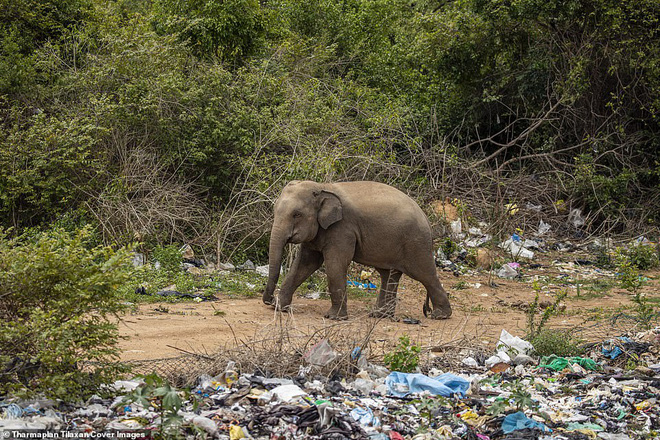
column 367, row 222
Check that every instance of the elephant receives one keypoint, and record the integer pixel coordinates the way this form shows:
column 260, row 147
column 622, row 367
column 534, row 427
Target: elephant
column 370, row 223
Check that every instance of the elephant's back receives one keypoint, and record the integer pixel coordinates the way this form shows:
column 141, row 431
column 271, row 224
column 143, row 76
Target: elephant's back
column 378, row 204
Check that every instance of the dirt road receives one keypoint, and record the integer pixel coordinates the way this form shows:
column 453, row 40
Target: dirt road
column 480, row 312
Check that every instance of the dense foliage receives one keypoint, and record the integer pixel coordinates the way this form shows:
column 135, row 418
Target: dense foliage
column 58, row 303
column 180, row 119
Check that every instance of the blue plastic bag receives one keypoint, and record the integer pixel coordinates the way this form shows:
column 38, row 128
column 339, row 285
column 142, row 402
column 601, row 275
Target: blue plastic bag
column 401, row 384
column 365, row 417
column 517, row 421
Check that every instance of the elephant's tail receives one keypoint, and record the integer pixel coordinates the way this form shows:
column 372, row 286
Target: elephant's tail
column 427, row 305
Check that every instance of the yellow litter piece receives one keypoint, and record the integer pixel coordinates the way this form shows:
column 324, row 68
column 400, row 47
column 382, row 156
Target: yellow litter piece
column 236, row 432
column 511, row 208
column 641, row 406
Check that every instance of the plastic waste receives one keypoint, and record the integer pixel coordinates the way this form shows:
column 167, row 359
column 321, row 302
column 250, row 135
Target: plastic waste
column 320, row 354
column 499, row 358
column 360, row 285
column 288, row 393
column 523, row 359
column 557, row 363
column 583, row 426
column 611, row 350
column 516, row 248
column 402, row 384
column 236, row 432
column 507, row 271
column 518, row 421
column 137, row 260
column 575, row 218
column 207, row 425
column 229, row 376
column 544, row 228
column 470, row 362
column 262, row 270
column 513, row 345
column 364, row 386
column 475, row 231
column 511, row 208
column 456, row 228
column 365, row 416
column 611, row 436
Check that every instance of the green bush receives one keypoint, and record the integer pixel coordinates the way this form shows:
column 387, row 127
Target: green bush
column 169, row 257
column 559, row 342
column 643, row 257
column 645, row 313
column 405, row 356
column 58, row 306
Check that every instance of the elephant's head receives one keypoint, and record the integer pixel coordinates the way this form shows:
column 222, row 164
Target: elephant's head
column 300, row 210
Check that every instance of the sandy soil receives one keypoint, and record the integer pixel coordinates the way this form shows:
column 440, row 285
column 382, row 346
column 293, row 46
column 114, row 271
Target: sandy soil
column 163, row 330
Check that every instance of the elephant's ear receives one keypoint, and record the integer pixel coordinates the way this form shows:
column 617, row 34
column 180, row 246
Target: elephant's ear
column 330, row 210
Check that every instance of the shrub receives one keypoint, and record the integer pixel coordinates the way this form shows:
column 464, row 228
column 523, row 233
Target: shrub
column 643, row 257
column 559, row 342
column 405, row 356
column 169, row 257
column 57, row 301
column 631, row 280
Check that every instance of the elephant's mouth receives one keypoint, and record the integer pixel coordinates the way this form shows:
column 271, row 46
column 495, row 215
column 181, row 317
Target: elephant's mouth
column 295, row 239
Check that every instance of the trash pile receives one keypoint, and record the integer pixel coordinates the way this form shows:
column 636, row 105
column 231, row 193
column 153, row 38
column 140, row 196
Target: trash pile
column 609, row 393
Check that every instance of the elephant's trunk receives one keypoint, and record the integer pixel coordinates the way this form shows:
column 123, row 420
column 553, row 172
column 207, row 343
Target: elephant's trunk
column 278, row 239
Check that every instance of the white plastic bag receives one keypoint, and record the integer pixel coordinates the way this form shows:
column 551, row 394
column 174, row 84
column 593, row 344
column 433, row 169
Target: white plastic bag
column 320, row 354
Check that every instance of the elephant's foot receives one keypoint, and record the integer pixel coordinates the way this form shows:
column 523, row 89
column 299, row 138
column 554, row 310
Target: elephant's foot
column 439, row 313
column 268, row 300
column 336, row 314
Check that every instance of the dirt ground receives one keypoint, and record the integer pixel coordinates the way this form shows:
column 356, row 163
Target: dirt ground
column 164, row 330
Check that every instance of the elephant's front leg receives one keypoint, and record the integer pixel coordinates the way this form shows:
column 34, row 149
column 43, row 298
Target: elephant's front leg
column 337, row 261
column 306, row 263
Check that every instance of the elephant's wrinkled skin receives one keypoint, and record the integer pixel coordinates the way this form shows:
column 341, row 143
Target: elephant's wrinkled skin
column 366, row 222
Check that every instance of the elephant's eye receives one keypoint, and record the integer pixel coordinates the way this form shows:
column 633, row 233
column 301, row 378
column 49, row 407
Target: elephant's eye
column 297, row 215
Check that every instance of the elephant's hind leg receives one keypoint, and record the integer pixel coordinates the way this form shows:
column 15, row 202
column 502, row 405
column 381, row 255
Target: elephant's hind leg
column 386, row 303
column 306, row 263
column 425, row 273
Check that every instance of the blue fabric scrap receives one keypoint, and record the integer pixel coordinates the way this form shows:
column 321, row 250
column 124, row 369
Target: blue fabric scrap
column 401, row 384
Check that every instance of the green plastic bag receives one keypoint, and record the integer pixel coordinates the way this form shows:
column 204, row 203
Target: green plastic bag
column 557, row 363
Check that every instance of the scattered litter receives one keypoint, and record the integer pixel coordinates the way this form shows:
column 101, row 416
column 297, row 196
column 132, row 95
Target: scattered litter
column 360, row 285
column 560, row 399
